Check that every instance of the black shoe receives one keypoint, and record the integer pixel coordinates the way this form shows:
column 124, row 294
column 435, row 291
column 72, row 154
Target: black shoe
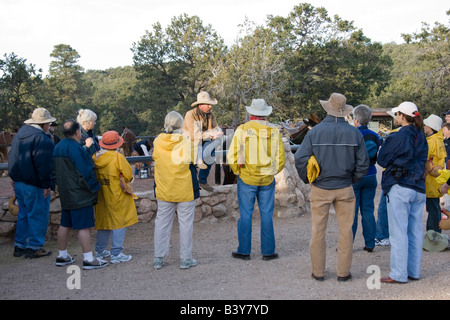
column 39, row 253
column 343, row 279
column 368, row 249
column 317, row 278
column 413, row 279
column 241, row 256
column 270, row 257
column 18, row 252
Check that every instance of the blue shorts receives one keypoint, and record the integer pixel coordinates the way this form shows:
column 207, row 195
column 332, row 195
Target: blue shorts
column 78, row 219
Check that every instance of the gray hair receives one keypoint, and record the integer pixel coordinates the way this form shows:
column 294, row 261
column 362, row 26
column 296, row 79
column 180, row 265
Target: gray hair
column 363, row 113
column 173, row 122
column 86, row 115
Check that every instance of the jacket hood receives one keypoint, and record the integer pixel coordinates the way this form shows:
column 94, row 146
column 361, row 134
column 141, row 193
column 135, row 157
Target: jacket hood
column 262, row 129
column 169, row 141
column 27, row 131
column 103, row 157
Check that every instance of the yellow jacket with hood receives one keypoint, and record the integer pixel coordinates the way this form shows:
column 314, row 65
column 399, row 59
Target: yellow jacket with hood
column 256, row 152
column 175, row 174
column 115, row 209
column 438, row 153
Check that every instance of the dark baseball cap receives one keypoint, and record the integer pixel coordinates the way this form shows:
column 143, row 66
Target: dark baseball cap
column 447, row 113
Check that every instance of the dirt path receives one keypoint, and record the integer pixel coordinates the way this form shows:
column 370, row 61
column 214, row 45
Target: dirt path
column 218, row 276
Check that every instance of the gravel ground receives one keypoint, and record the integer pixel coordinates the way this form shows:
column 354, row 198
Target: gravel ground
column 218, row 276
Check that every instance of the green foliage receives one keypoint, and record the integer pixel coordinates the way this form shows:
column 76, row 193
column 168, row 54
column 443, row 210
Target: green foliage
column 19, row 86
column 292, row 62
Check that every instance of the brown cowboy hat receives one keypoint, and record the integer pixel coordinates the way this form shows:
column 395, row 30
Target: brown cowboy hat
column 12, row 207
column 337, row 106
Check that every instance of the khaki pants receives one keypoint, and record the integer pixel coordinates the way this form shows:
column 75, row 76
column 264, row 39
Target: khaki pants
column 343, row 201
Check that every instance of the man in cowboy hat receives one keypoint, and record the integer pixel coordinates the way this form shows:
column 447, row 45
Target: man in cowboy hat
column 202, row 128
column 30, row 167
column 343, row 160
column 256, row 154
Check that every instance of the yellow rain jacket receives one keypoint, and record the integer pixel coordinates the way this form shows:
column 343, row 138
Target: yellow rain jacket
column 256, row 152
column 175, row 174
column 437, row 154
column 115, row 209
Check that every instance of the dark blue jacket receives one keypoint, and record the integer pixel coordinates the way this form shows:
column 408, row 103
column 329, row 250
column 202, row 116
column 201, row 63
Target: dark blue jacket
column 405, row 150
column 74, row 173
column 30, row 158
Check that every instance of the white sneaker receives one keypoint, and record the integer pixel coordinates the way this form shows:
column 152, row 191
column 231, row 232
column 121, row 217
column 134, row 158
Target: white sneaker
column 382, row 242
column 187, row 263
column 120, row 258
column 158, row 263
column 102, row 255
column 94, row 264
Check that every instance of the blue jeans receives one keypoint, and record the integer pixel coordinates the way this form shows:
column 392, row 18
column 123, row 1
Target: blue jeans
column 365, row 193
column 265, row 196
column 33, row 217
column 118, row 237
column 405, row 211
column 382, row 220
column 204, row 173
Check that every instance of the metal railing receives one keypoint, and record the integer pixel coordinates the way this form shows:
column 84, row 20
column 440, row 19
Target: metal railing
column 4, row 166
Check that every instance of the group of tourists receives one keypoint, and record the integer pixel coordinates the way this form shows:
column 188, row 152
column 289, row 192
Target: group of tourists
column 336, row 158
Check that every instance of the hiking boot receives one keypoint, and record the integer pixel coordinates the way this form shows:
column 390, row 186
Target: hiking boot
column 120, row 258
column 187, row 263
column 94, row 264
column 207, row 187
column 102, row 255
column 39, row 253
column 60, row 261
column 18, row 252
column 157, row 263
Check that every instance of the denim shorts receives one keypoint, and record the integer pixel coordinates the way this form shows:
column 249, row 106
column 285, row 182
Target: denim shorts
column 78, row 219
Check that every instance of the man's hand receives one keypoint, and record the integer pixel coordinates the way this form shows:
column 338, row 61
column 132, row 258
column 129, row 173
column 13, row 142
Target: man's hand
column 216, row 134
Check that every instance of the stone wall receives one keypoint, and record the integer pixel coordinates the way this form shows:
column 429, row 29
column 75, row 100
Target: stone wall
column 291, row 199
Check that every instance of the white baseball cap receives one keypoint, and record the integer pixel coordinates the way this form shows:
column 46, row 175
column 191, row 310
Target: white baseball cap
column 407, row 108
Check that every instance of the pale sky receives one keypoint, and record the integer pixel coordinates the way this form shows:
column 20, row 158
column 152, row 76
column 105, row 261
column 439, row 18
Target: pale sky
column 103, row 31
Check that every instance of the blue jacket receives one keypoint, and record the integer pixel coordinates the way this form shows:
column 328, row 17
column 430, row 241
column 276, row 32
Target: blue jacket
column 373, row 143
column 407, row 151
column 340, row 151
column 74, row 173
column 30, row 158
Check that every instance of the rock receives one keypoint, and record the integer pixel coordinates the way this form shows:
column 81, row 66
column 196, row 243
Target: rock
column 7, row 228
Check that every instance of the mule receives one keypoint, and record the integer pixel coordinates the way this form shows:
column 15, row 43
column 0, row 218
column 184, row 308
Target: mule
column 129, row 140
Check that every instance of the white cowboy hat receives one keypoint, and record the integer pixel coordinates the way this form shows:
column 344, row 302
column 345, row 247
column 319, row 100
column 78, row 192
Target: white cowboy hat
column 259, row 107
column 204, row 98
column 434, row 122
column 39, row 116
column 337, row 106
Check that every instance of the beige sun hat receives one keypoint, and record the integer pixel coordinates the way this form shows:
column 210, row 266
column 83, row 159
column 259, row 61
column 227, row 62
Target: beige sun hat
column 259, row 107
column 434, row 241
column 337, row 106
column 204, row 98
column 40, row 116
